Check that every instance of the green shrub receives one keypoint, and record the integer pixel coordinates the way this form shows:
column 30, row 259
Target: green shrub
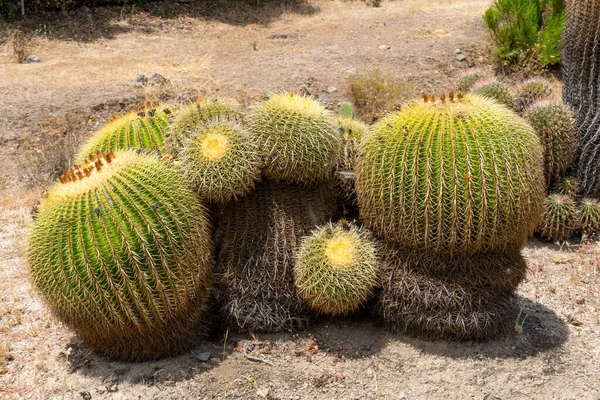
column 9, row 9
column 527, row 30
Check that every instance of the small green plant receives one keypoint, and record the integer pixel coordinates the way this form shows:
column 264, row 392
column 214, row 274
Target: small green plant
column 527, row 30
column 374, row 94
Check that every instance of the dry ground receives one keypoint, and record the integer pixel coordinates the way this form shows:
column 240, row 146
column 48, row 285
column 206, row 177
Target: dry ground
column 85, row 75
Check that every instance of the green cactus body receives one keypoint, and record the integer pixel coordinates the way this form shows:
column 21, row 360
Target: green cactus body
column 352, row 132
column 530, row 92
column 346, row 110
column 298, row 138
column 560, row 219
column 222, row 160
column 457, row 177
column 144, row 129
column 555, row 125
column 197, row 113
column 589, row 216
column 495, row 90
column 567, row 186
column 336, row 269
column 122, row 252
column 469, row 78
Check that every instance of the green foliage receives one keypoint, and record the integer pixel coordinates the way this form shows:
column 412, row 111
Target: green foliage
column 336, row 269
column 456, row 177
column 589, row 216
column 9, row 9
column 298, row 138
column 222, row 161
column 560, row 219
column 567, row 186
column 121, row 251
column 555, row 125
column 527, row 28
column 144, row 129
column 494, row 89
column 531, row 91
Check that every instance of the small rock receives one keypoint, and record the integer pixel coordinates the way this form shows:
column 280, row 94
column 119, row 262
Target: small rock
column 85, row 395
column 369, row 372
column 140, row 81
column 33, row 59
column 351, row 71
column 457, row 51
column 384, row 47
column 461, row 57
column 157, row 79
column 203, row 357
column 331, row 89
column 402, row 395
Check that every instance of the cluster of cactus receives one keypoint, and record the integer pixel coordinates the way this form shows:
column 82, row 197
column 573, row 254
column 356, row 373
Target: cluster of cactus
column 469, row 78
column 581, row 62
column 530, row 92
column 450, row 182
column 494, row 89
column 122, row 252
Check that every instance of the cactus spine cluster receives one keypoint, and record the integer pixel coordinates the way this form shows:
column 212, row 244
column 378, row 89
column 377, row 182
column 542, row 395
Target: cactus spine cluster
column 530, row 92
column 121, row 252
column 454, row 176
column 143, row 129
column 560, row 219
column 336, row 269
column 567, row 186
column 298, row 138
column 222, row 161
column 589, row 216
column 469, row 78
column 494, row 89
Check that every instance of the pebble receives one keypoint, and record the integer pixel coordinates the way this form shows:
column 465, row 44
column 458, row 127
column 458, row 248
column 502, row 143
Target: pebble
column 461, row 57
column 33, row 59
column 203, row 357
column 384, row 47
column 331, row 89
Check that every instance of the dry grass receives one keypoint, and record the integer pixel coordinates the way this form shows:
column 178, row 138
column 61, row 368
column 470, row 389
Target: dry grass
column 374, row 94
column 20, row 46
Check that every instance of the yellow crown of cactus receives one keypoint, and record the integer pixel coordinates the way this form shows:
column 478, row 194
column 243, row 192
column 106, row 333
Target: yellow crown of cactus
column 458, row 176
column 143, row 129
column 222, row 160
column 121, row 252
column 298, row 138
column 336, row 269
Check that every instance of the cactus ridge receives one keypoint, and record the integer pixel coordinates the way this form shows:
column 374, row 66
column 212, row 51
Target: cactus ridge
column 455, row 177
column 412, row 301
column 222, row 161
column 560, row 219
column 555, row 125
column 143, row 129
column 197, row 113
column 123, row 256
column 257, row 237
column 530, row 92
column 336, row 268
column 297, row 137
column 495, row 90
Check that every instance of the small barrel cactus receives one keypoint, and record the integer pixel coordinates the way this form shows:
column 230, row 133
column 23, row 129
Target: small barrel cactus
column 494, row 89
column 298, row 138
column 336, row 269
column 560, row 219
column 469, row 78
column 589, row 216
column 222, row 161
column 555, row 125
column 346, row 110
column 121, row 251
column 530, row 92
column 567, row 186
column 143, row 129
column 457, row 176
column 197, row 113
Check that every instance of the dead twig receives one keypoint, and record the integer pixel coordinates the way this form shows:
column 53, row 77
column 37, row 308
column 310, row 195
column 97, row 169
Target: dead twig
column 254, row 358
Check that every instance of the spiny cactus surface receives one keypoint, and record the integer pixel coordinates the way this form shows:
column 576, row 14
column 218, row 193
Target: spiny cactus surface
column 336, row 268
column 589, row 216
column 494, row 89
column 143, row 129
column 469, row 78
column 560, row 219
column 555, row 125
column 456, row 177
column 346, row 110
column 566, row 186
column 222, row 161
column 530, row 92
column 298, row 138
column 122, row 252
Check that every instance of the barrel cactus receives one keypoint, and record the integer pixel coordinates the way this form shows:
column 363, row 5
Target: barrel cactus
column 567, row 186
column 121, row 251
column 143, row 129
column 298, row 138
column 336, row 268
column 457, row 176
column 352, row 132
column 197, row 113
column 589, row 216
column 494, row 89
column 560, row 219
column 530, row 92
column 469, row 78
column 346, row 110
column 555, row 125
column 222, row 161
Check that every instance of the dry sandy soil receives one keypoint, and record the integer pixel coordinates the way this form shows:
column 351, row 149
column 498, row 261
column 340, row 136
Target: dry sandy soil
column 85, row 75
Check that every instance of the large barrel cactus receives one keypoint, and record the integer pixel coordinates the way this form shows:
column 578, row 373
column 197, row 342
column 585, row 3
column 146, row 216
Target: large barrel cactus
column 121, row 251
column 336, row 268
column 456, row 176
column 143, row 129
column 221, row 159
column 298, row 138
